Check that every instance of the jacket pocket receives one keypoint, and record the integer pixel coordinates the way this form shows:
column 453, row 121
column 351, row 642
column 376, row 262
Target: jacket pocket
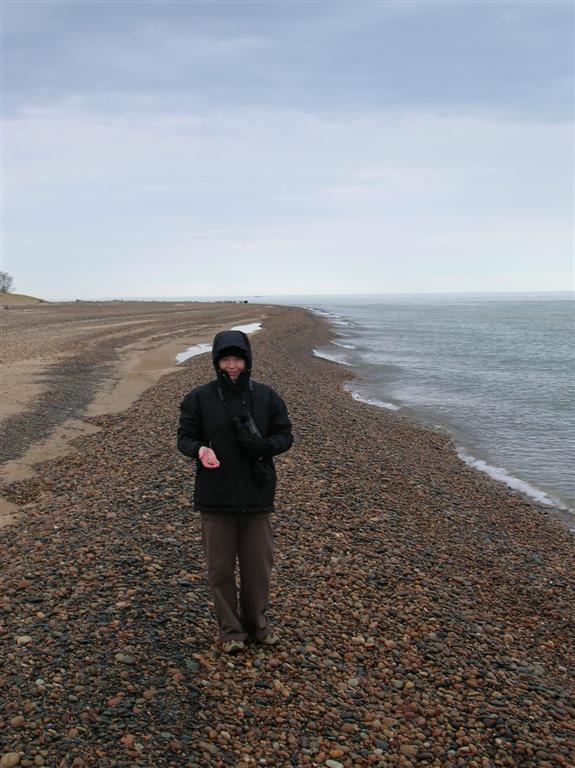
column 262, row 485
column 218, row 488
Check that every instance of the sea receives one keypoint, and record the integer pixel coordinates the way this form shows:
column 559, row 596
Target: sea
column 497, row 371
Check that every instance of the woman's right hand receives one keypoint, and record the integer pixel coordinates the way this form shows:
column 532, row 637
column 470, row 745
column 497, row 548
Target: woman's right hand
column 208, row 458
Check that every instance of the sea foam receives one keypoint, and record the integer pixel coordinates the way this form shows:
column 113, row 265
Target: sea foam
column 500, row 474
column 331, row 356
column 341, row 344
column 370, row 400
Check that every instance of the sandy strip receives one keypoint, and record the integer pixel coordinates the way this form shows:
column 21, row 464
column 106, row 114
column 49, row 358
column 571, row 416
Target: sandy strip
column 9, row 513
column 142, row 366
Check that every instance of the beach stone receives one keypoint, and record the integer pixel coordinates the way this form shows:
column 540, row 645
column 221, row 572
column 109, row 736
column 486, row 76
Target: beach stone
column 17, row 722
column 125, row 658
column 9, row 759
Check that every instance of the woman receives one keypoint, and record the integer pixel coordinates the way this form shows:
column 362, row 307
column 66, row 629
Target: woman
column 233, row 427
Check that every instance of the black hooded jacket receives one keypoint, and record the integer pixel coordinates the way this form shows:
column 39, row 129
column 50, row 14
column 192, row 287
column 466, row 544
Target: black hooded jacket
column 206, row 415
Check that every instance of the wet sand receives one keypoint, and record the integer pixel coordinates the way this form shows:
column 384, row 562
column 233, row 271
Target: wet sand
column 426, row 611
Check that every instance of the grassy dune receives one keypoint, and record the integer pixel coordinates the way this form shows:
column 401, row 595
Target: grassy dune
column 19, row 298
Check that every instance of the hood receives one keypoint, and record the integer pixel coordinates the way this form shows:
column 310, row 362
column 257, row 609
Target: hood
column 226, row 339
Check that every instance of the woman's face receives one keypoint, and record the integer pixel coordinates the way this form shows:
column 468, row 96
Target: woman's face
column 232, row 365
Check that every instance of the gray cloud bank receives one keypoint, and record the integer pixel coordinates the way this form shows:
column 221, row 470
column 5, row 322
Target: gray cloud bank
column 507, row 57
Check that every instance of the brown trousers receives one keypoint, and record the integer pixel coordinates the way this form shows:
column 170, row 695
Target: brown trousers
column 249, row 539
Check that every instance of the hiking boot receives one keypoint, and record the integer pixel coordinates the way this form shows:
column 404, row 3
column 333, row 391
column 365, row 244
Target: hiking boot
column 270, row 639
column 233, row 646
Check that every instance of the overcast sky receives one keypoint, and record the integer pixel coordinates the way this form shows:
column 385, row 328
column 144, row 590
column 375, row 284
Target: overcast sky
column 212, row 148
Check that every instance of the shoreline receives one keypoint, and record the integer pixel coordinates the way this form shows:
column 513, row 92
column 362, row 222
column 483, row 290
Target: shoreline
column 142, row 364
column 514, row 483
column 425, row 612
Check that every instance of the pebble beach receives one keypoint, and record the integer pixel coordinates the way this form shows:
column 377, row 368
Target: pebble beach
column 426, row 612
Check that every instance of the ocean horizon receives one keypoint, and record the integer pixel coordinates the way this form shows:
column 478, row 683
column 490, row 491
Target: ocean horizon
column 300, row 299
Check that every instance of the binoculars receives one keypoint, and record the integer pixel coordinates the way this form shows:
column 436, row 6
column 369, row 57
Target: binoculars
column 245, row 426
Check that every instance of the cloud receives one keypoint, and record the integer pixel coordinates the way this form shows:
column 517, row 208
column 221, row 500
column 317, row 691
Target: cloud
column 502, row 58
column 369, row 200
